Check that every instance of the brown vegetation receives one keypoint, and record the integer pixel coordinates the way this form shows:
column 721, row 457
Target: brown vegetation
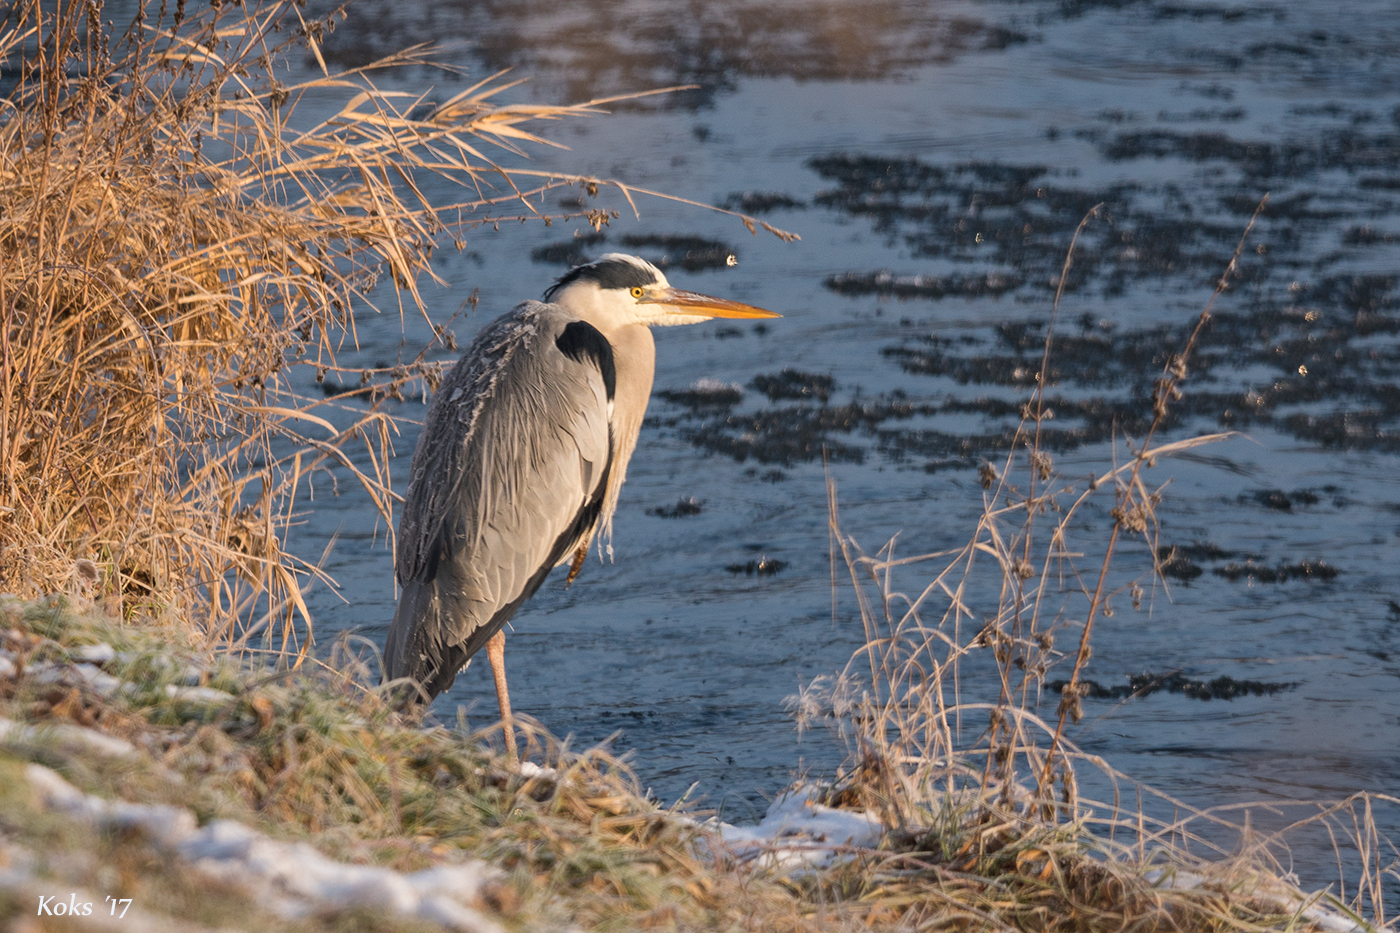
column 991, row 830
column 172, row 248
column 176, row 239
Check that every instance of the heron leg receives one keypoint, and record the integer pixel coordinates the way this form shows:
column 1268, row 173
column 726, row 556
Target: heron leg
column 496, row 654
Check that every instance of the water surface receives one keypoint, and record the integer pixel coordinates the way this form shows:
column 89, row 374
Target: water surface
column 935, row 160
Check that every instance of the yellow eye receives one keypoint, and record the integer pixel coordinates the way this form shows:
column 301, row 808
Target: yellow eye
column 637, row 291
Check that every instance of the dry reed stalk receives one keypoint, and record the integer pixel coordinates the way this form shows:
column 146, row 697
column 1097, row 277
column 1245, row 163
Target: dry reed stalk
column 910, row 716
column 1133, row 508
column 176, row 245
column 1008, row 593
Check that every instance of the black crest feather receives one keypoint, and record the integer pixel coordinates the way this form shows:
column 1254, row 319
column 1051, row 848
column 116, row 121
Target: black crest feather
column 608, row 273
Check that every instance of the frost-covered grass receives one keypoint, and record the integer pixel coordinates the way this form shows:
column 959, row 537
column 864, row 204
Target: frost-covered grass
column 313, row 755
column 219, row 794
column 979, row 792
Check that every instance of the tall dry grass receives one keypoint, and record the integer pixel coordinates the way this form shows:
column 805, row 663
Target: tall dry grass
column 984, row 787
column 180, row 236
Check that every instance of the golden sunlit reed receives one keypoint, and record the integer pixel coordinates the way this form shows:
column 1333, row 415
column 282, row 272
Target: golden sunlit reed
column 184, row 242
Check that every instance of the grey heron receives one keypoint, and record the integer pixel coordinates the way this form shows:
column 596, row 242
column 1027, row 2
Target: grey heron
column 521, row 459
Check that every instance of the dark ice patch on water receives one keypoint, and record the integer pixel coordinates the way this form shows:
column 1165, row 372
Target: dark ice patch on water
column 1179, row 561
column 704, row 396
column 762, row 202
column 794, row 384
column 1280, row 501
column 683, row 251
column 1313, row 570
column 1349, row 149
column 574, row 251
column 783, row 436
column 886, row 283
column 691, row 253
column 1146, row 684
column 1320, row 362
column 762, row 567
column 1366, row 235
column 684, row 508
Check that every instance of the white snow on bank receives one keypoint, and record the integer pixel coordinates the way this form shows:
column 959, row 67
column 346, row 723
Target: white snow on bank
column 197, row 695
column 798, row 833
column 75, row 738
column 528, row 769
column 99, row 653
column 85, row 667
column 290, row 878
column 294, row 880
column 1333, row 918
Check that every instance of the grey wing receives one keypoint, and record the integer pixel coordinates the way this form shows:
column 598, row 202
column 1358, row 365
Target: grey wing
column 508, row 480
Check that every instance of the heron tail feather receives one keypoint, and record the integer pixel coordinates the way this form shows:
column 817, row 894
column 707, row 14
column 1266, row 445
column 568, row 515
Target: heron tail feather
column 410, row 651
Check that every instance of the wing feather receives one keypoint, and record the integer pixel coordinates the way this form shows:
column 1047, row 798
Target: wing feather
column 508, row 477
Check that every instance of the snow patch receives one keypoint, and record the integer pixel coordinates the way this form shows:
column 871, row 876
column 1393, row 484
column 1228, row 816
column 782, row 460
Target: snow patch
column 99, row 653
column 102, row 683
column 798, row 833
column 198, row 694
column 293, row 879
column 1334, row 918
column 64, row 735
column 166, row 824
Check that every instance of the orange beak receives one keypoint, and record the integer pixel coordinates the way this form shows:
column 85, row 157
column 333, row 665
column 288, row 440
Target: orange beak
column 702, row 305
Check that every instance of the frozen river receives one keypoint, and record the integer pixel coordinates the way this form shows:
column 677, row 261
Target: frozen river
column 935, row 160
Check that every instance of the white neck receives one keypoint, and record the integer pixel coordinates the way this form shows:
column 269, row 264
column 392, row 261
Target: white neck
column 634, row 359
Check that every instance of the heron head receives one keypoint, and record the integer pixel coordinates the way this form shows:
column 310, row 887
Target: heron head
column 619, row 289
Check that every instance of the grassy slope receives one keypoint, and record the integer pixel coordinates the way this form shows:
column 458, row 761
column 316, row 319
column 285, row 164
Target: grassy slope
column 313, row 755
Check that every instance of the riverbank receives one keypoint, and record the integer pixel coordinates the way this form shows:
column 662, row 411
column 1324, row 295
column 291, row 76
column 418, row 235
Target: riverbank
column 192, row 790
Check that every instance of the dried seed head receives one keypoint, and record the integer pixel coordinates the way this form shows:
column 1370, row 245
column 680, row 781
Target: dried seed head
column 1070, row 706
column 87, row 571
column 1133, row 519
column 1070, row 791
column 988, row 635
column 986, row 474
